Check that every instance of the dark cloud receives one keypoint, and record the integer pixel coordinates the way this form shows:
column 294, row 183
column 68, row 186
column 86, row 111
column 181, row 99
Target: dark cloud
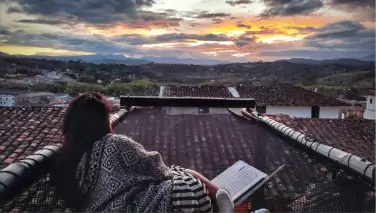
column 241, row 25
column 154, row 23
column 204, row 15
column 42, row 21
column 183, row 36
column 239, row 2
column 167, row 38
column 265, row 31
column 95, row 12
column 4, row 31
column 242, row 41
column 290, row 7
column 343, row 36
column 363, row 9
column 217, row 21
column 338, row 30
column 315, row 54
column 83, row 43
column 303, row 30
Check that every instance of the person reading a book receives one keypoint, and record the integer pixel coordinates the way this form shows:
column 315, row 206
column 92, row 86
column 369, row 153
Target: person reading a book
column 98, row 170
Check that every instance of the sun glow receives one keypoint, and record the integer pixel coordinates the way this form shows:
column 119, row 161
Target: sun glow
column 187, row 44
column 29, row 50
column 280, row 39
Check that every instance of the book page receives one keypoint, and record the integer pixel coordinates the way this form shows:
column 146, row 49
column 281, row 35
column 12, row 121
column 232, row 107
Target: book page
column 239, row 178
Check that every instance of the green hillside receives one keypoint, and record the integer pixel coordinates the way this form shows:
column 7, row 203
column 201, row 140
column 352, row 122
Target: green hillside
column 349, row 79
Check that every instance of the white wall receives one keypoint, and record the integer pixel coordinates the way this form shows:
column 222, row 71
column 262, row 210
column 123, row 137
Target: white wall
column 6, row 100
column 369, row 113
column 192, row 111
column 297, row 111
column 330, row 112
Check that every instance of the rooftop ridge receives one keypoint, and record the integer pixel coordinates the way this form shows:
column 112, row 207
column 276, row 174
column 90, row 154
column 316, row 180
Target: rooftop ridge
column 360, row 165
column 32, row 107
column 280, row 94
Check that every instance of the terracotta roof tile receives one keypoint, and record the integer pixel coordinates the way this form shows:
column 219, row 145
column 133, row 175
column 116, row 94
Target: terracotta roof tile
column 353, row 136
column 277, row 95
column 211, row 143
column 25, row 130
column 196, row 91
column 286, row 95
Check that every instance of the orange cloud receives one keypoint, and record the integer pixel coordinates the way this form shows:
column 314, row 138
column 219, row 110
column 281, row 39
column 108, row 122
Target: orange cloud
column 281, row 25
column 30, row 50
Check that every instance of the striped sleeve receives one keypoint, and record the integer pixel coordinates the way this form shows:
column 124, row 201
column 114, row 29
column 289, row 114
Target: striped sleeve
column 189, row 194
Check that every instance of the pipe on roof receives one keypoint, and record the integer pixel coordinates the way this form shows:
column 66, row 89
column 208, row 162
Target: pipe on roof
column 161, row 91
column 187, row 102
column 351, row 161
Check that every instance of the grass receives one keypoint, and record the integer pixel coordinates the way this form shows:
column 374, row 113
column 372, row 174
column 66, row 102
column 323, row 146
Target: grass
column 320, row 86
column 344, row 79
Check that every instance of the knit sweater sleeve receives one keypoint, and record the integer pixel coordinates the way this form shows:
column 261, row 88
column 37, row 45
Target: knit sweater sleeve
column 189, row 194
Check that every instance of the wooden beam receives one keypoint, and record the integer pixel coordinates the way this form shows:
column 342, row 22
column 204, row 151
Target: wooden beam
column 187, row 102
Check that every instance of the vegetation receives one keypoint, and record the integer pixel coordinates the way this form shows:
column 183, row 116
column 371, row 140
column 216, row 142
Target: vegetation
column 140, row 87
column 123, row 79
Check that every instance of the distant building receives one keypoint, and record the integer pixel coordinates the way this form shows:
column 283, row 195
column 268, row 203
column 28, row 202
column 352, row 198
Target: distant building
column 272, row 100
column 369, row 112
column 6, row 100
column 34, row 99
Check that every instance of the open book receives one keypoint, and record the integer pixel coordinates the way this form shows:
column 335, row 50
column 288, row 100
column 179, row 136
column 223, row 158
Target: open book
column 241, row 180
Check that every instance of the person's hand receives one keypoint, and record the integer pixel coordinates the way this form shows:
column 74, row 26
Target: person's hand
column 212, row 189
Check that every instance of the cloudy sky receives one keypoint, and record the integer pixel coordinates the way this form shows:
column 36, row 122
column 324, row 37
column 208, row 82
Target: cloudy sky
column 230, row 30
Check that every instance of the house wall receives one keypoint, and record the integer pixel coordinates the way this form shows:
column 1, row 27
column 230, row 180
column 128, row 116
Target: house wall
column 297, row 111
column 330, row 112
column 6, row 100
column 34, row 99
column 193, row 111
column 369, row 113
column 304, row 111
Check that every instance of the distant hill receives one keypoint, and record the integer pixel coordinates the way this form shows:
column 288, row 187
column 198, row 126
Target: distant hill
column 98, row 58
column 127, row 61
column 121, row 59
column 303, row 61
column 340, row 61
column 196, row 61
column 3, row 54
column 368, row 58
column 346, row 62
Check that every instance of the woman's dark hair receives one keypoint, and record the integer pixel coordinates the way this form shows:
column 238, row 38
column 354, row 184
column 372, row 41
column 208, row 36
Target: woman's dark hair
column 87, row 119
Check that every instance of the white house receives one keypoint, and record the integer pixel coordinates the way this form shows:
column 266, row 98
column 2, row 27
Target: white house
column 7, row 100
column 270, row 100
column 369, row 112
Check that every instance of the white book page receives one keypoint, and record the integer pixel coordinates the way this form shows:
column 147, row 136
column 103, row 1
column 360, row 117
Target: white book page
column 239, row 178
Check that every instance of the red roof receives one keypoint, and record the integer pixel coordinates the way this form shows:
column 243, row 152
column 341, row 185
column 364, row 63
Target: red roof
column 26, row 130
column 196, row 91
column 210, row 143
column 353, row 136
column 277, row 95
column 207, row 143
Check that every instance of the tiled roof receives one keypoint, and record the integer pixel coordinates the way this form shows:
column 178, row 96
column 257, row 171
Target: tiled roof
column 277, row 95
column 25, row 130
column 353, row 136
column 208, row 143
column 196, row 91
column 211, row 143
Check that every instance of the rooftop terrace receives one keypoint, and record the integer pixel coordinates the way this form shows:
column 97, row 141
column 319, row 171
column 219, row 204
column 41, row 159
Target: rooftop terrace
column 208, row 143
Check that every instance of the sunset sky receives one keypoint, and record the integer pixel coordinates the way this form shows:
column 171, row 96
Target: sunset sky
column 229, row 30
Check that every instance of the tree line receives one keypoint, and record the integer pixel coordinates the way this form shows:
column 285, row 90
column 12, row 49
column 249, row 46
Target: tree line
column 138, row 87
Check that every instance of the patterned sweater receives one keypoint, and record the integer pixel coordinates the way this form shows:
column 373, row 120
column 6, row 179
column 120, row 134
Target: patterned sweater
column 119, row 175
